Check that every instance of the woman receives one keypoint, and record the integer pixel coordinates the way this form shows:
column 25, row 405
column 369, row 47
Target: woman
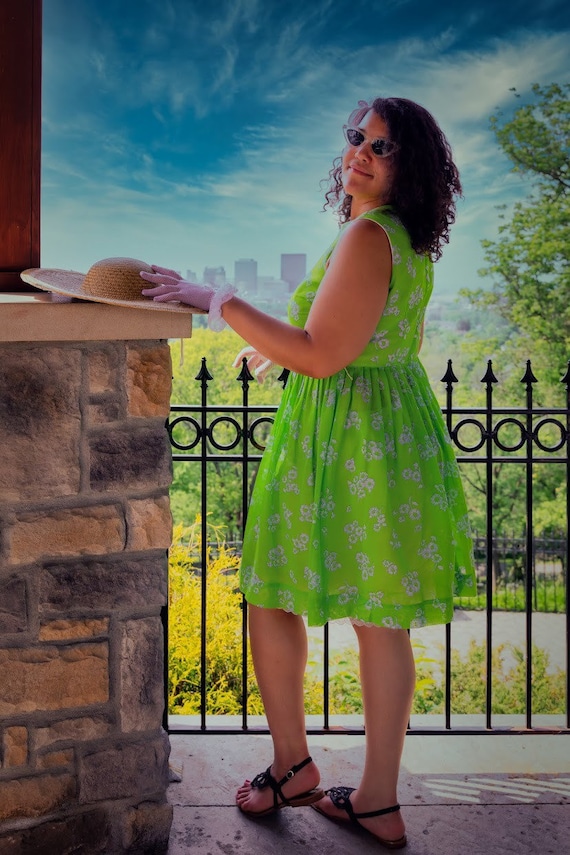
column 357, row 511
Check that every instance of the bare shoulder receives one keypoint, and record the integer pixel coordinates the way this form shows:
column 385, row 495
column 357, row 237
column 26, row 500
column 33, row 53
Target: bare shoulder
column 364, row 235
column 363, row 241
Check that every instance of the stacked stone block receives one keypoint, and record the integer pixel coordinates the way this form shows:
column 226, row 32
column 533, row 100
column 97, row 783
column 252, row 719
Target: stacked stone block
column 85, row 525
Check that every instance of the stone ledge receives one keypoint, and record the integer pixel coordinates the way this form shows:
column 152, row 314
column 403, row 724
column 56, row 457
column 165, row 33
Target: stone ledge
column 31, row 317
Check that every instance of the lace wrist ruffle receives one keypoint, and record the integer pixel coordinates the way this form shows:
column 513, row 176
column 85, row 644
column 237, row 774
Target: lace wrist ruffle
column 220, row 296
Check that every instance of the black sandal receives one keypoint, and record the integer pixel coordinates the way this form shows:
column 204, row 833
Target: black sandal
column 266, row 779
column 340, row 797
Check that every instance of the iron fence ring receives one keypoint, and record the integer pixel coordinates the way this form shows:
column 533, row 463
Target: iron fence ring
column 227, row 420
column 511, row 421
column 457, row 428
column 252, row 428
column 189, row 421
column 561, row 428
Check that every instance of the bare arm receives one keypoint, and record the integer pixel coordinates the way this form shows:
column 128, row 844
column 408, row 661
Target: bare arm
column 343, row 317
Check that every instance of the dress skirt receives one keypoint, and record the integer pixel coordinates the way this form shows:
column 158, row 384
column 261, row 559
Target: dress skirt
column 358, row 509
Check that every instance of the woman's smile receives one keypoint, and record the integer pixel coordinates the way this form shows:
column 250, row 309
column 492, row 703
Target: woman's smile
column 359, row 171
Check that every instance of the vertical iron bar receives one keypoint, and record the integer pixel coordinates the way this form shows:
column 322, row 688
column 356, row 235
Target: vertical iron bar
column 528, row 380
column 566, row 380
column 244, row 377
column 489, row 379
column 449, row 379
column 165, row 657
column 244, row 668
column 448, row 676
column 203, row 376
column 326, row 688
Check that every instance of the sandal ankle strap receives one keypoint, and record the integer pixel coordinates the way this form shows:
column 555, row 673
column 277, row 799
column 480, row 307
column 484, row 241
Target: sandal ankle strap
column 381, row 812
column 293, row 771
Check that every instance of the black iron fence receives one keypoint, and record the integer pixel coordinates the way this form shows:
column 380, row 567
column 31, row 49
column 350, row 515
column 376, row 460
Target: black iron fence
column 507, row 455
column 546, row 565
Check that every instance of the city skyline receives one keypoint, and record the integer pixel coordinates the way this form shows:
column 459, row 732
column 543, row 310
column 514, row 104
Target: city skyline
column 190, row 135
column 294, row 265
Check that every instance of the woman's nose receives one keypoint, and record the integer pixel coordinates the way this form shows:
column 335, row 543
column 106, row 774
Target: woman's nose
column 364, row 150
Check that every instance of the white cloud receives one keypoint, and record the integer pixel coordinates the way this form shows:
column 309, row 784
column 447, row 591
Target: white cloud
column 107, row 195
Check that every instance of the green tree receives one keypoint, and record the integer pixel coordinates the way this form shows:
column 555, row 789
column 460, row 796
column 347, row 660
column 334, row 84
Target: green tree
column 529, row 263
column 223, row 477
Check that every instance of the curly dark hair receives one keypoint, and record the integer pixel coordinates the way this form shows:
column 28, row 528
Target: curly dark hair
column 425, row 179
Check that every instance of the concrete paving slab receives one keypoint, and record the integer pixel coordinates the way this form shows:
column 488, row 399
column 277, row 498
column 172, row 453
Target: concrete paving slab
column 462, row 795
column 433, row 830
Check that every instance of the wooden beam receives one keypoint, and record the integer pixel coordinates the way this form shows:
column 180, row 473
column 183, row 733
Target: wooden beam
column 20, row 139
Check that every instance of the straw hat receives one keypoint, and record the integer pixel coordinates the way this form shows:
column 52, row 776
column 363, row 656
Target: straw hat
column 112, row 280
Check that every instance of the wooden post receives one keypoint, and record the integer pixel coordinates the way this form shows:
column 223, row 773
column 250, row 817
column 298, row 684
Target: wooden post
column 20, row 139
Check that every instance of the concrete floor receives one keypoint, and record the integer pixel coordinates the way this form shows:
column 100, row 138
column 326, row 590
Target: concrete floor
column 461, row 795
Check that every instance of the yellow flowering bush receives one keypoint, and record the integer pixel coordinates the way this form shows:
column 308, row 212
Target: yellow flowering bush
column 223, row 627
column 223, row 630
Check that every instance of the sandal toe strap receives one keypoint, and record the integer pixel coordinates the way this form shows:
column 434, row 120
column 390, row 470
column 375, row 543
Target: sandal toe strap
column 262, row 780
column 340, row 797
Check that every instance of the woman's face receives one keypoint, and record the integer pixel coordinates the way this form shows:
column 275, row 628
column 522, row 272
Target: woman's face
column 366, row 176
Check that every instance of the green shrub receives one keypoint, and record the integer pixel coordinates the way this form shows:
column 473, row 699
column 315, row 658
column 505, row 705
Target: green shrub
column 223, row 622
column 224, row 695
column 508, row 686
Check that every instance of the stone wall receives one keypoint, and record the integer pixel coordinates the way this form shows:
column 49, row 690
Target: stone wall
column 85, row 468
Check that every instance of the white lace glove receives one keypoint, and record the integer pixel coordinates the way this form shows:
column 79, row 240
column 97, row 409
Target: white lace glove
column 169, row 286
column 258, row 364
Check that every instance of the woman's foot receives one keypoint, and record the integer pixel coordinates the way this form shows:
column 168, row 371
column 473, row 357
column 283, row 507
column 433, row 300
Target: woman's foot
column 257, row 797
column 388, row 828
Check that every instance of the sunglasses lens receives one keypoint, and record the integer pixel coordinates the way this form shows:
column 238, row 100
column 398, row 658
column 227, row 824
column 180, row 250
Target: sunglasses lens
column 381, row 147
column 354, row 136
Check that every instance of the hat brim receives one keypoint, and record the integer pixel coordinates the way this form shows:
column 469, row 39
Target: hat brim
column 68, row 283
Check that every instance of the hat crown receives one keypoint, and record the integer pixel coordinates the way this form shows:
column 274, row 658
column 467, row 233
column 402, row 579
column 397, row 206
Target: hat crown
column 116, row 279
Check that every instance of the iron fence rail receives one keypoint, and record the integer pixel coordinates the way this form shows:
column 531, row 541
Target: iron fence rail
column 523, row 436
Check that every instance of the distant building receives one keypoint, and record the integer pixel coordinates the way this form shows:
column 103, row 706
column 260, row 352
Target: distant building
column 270, row 288
column 191, row 276
column 245, row 275
column 293, row 268
column 214, row 276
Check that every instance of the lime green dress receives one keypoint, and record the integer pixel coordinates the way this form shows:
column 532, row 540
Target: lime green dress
column 358, row 509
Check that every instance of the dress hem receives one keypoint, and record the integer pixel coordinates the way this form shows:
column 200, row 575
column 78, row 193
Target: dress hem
column 440, row 613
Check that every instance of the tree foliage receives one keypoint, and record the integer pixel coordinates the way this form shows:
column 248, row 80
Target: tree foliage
column 529, row 262
column 223, row 478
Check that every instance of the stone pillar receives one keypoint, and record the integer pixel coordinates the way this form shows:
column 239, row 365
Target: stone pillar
column 85, row 467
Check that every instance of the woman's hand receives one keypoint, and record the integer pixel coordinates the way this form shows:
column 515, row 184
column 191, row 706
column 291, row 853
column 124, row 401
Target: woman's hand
column 258, row 364
column 169, row 286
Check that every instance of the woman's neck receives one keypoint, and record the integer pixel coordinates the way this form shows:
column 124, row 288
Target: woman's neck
column 357, row 208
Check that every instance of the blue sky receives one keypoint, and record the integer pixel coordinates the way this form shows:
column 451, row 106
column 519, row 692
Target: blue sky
column 188, row 133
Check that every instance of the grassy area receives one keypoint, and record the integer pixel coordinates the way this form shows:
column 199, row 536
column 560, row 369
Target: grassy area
column 549, row 595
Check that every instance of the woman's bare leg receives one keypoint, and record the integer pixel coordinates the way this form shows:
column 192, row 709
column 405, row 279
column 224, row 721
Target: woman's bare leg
column 279, row 650
column 387, row 674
